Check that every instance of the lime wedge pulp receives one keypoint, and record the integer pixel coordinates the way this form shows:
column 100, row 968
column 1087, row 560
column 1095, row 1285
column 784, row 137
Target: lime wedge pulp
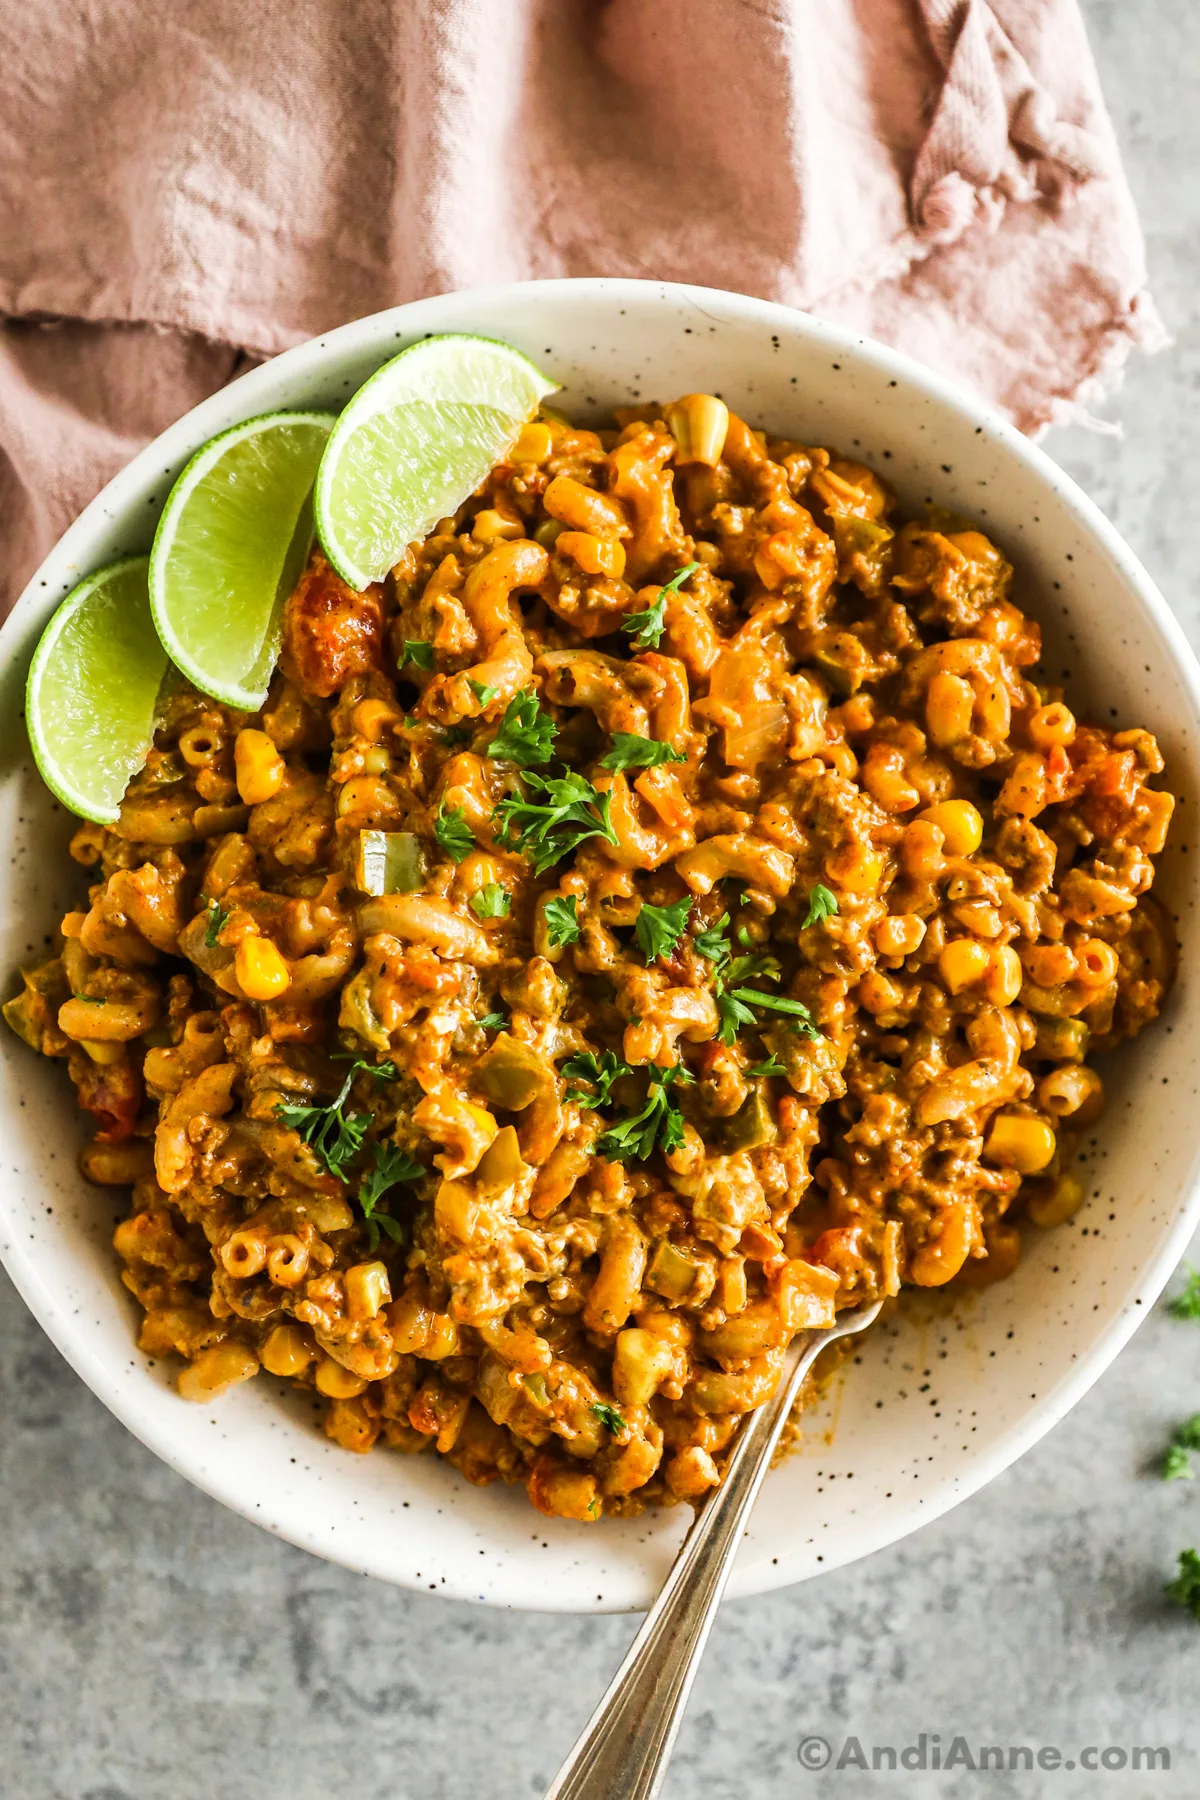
column 230, row 546
column 414, row 442
column 91, row 701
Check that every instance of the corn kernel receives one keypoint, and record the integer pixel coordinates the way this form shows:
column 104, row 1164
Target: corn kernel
column 862, row 871
column 259, row 767
column 490, row 527
column 216, row 1369
column 1019, row 1141
column 961, row 825
column 699, row 424
column 261, row 971
column 367, row 1290
column 337, row 1383
column 534, row 443
column 949, row 705
column 1004, row 977
column 899, row 935
column 286, row 1351
column 1063, row 1200
column 594, row 555
column 962, row 963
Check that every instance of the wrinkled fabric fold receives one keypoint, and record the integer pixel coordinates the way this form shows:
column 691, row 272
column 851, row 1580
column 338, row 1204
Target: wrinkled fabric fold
column 183, row 185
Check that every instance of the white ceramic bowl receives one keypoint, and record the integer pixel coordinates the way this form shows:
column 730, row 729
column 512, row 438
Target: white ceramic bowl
column 908, row 1430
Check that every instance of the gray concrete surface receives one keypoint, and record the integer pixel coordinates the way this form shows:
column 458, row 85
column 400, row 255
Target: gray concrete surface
column 154, row 1647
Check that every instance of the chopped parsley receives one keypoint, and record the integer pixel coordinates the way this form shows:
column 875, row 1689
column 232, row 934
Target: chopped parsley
column 549, row 830
column 659, row 928
column 736, row 1003
column 526, row 735
column 647, row 627
column 772, row 1066
column 453, row 833
column 630, row 752
column 493, row 1021
column 779, row 1003
column 608, row 1415
column 336, row 1136
column 418, row 652
column 1187, row 1304
column 391, row 1166
column 822, row 904
column 218, row 918
column 659, row 1124
column 490, row 902
column 1185, row 1589
column 600, row 1071
column 562, row 923
column 482, row 690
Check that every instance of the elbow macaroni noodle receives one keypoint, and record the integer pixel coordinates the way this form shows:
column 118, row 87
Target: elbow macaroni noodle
column 540, row 1165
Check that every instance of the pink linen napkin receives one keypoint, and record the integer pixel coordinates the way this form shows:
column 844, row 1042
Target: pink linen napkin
column 186, row 185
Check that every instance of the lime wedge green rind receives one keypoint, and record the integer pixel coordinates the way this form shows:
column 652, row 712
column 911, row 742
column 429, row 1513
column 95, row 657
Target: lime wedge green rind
column 414, row 442
column 231, row 543
column 92, row 698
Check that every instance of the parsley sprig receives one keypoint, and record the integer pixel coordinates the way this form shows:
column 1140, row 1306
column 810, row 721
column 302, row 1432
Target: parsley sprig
column 599, row 1071
column 658, row 1125
column 391, row 1166
column 526, row 735
column 659, row 928
column 647, row 627
column 630, row 752
column 562, row 921
column 549, row 829
column 490, row 901
column 336, row 1136
column 736, row 1003
column 453, row 833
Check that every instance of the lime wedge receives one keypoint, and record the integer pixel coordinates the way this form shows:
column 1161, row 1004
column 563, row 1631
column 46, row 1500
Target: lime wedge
column 92, row 698
column 414, row 442
column 229, row 548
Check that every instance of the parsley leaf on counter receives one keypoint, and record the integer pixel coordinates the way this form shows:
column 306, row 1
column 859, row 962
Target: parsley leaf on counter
column 562, row 924
column 490, row 902
column 1185, row 1589
column 1187, row 1304
column 526, row 735
column 822, row 904
column 629, row 752
column 453, row 833
column 659, row 928
column 1177, row 1464
column 547, row 831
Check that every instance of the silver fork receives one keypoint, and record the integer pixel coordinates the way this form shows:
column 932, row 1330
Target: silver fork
column 627, row 1744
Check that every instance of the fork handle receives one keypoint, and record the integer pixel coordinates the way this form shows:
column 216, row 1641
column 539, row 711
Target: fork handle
column 626, row 1745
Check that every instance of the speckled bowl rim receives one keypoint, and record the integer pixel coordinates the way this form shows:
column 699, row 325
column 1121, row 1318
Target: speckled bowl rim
column 240, row 400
